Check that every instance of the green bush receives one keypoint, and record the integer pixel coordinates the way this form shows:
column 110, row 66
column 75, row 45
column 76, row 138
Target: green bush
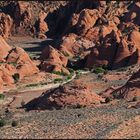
column 16, row 77
column 14, row 123
column 32, row 85
column 58, row 80
column 2, row 96
column 71, row 70
column 69, row 77
column 12, row 63
column 99, row 70
column 2, row 122
column 59, row 73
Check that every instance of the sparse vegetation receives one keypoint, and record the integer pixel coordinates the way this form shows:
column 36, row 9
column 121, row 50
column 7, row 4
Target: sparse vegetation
column 71, row 74
column 99, row 70
column 2, row 122
column 14, row 123
column 58, row 80
column 16, row 77
column 11, row 63
column 59, row 73
column 36, row 84
column 2, row 97
column 32, row 85
column 69, row 77
column 107, row 100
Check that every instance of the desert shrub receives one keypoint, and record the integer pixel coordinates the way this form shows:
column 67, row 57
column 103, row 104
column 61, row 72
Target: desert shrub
column 14, row 123
column 32, row 85
column 16, row 77
column 59, row 73
column 71, row 70
column 69, row 77
column 58, row 80
column 99, row 70
column 12, row 63
column 2, row 96
column 2, row 122
column 107, row 100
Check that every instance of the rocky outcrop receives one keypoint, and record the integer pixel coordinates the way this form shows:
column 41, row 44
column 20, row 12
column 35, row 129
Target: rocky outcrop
column 6, row 24
column 24, row 65
column 133, row 15
column 76, row 95
column 4, row 49
column 131, row 90
column 15, row 64
column 53, row 60
column 43, row 27
column 115, row 50
column 87, row 19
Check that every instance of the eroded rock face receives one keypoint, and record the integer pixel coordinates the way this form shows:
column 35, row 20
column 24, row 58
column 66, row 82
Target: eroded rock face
column 43, row 27
column 87, row 19
column 76, row 95
column 131, row 90
column 6, row 24
column 115, row 50
column 133, row 14
column 4, row 49
column 53, row 60
column 24, row 65
column 103, row 54
column 14, row 61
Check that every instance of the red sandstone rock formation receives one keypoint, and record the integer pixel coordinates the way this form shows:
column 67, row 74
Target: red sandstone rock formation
column 131, row 89
column 4, row 49
column 133, row 14
column 14, row 61
column 115, row 50
column 53, row 60
column 76, row 95
column 6, row 23
column 43, row 27
column 87, row 19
